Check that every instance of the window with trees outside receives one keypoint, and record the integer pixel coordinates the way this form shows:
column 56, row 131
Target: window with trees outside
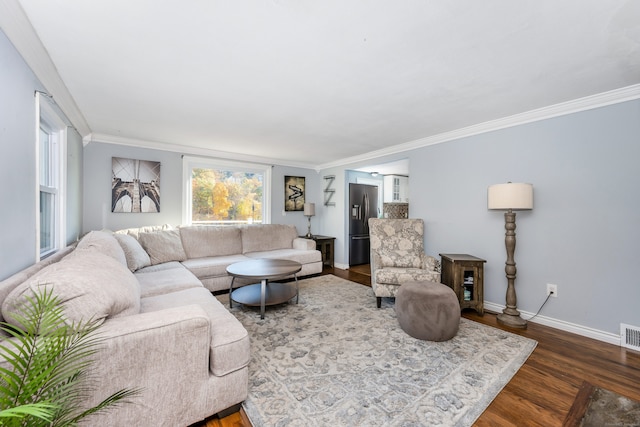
column 222, row 192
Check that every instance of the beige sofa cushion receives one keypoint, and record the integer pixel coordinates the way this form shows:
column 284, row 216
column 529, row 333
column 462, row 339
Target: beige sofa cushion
column 166, row 280
column 163, row 246
column 264, row 237
column 230, row 349
column 89, row 284
column 103, row 242
column 135, row 254
column 201, row 241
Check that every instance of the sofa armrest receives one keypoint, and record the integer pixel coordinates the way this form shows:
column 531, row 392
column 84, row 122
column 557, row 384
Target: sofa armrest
column 303, row 244
column 430, row 263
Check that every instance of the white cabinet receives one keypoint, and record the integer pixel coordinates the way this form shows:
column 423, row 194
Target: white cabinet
column 396, row 189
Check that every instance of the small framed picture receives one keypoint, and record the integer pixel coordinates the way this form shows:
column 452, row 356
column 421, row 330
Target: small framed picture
column 293, row 193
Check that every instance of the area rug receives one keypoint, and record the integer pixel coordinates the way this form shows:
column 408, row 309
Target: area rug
column 334, row 359
column 597, row 407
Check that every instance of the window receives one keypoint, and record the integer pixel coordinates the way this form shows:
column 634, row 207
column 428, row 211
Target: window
column 224, row 192
column 50, row 144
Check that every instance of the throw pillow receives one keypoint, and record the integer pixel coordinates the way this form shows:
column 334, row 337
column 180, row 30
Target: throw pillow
column 135, row 232
column 103, row 242
column 136, row 257
column 163, row 246
column 89, row 284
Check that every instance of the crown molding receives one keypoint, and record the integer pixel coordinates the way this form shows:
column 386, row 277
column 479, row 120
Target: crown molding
column 18, row 29
column 603, row 99
column 189, row 150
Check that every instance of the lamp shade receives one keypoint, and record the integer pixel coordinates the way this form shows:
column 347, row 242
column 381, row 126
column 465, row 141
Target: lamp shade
column 515, row 196
column 309, row 209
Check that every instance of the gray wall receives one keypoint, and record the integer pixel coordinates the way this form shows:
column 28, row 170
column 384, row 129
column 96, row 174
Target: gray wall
column 97, row 188
column 97, row 194
column 583, row 232
column 17, row 164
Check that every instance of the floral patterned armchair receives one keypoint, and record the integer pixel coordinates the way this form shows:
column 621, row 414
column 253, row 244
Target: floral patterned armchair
column 397, row 255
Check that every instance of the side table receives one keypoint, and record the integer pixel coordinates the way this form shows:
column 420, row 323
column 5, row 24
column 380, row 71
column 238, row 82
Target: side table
column 465, row 275
column 325, row 245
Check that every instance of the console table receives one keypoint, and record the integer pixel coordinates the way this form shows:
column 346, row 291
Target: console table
column 325, row 245
column 465, row 275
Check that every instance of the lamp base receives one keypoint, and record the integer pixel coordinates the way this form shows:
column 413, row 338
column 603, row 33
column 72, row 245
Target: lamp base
column 511, row 320
column 308, row 236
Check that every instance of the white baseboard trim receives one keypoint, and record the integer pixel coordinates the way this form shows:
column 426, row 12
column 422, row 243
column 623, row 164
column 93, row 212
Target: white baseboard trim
column 573, row 328
column 341, row 266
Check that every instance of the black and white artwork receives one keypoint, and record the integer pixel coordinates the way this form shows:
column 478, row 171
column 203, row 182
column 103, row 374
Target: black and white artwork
column 135, row 185
column 293, row 193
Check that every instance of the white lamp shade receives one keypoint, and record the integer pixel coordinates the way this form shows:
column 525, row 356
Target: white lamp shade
column 309, row 209
column 511, row 195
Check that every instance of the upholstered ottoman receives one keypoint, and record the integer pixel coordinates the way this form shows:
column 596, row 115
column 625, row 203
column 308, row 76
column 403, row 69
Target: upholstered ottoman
column 428, row 310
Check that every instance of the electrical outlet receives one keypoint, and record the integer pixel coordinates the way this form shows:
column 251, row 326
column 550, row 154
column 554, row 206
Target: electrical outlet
column 552, row 289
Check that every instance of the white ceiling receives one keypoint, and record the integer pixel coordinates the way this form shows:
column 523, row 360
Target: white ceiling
column 312, row 82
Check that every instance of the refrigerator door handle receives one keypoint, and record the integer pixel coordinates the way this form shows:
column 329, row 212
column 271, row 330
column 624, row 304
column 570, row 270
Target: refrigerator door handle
column 365, row 202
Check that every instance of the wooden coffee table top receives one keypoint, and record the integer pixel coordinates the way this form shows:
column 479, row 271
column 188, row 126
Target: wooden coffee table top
column 264, row 268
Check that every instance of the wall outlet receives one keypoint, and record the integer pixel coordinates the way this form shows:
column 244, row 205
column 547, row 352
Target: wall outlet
column 552, row 289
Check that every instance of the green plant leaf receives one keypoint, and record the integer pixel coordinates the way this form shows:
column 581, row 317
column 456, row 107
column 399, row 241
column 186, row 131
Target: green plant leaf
column 48, row 360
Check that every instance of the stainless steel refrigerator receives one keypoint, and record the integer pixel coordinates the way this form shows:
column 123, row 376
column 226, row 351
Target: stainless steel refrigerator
column 363, row 204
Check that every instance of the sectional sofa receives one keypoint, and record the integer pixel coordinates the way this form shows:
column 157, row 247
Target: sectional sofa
column 164, row 331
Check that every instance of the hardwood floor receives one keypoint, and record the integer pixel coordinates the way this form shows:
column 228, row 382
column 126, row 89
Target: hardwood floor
column 543, row 390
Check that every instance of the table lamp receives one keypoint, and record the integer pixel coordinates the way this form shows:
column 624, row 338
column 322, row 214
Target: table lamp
column 309, row 211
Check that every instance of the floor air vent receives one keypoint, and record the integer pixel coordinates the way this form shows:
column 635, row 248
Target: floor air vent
column 630, row 336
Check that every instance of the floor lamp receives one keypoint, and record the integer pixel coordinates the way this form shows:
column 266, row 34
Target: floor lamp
column 510, row 197
column 309, row 211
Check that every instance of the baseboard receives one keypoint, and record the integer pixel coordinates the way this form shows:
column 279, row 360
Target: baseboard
column 341, row 266
column 573, row 328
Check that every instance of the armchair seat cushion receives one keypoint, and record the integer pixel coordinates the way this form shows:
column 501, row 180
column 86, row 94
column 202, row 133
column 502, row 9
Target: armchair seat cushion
column 398, row 275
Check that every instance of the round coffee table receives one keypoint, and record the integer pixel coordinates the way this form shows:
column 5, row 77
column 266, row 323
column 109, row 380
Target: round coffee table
column 263, row 293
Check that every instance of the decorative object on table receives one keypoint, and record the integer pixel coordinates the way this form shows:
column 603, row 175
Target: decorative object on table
column 135, row 185
column 310, row 367
column 293, row 193
column 510, row 197
column 309, row 211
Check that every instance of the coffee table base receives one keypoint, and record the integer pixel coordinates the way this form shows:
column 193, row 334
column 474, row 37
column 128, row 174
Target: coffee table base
column 274, row 293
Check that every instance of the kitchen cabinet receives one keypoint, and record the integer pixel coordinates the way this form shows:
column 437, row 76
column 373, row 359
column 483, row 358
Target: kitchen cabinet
column 396, row 189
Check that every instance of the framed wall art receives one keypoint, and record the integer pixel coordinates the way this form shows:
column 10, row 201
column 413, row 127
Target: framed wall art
column 135, row 185
column 293, row 193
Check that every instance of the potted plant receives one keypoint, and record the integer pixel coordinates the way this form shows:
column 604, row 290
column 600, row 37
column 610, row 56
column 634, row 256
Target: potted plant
column 44, row 367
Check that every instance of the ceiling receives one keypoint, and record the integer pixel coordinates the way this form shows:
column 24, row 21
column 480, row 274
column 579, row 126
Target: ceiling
column 313, row 83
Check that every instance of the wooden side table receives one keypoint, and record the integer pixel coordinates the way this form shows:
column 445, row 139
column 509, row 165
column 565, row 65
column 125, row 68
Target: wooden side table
column 325, row 245
column 465, row 275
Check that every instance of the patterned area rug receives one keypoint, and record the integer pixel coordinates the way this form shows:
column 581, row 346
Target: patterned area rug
column 335, row 359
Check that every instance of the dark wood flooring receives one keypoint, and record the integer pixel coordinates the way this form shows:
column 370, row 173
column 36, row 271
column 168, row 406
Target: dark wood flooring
column 544, row 389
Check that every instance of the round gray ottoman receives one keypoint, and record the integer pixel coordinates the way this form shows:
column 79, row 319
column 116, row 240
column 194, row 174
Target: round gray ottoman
column 428, row 310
